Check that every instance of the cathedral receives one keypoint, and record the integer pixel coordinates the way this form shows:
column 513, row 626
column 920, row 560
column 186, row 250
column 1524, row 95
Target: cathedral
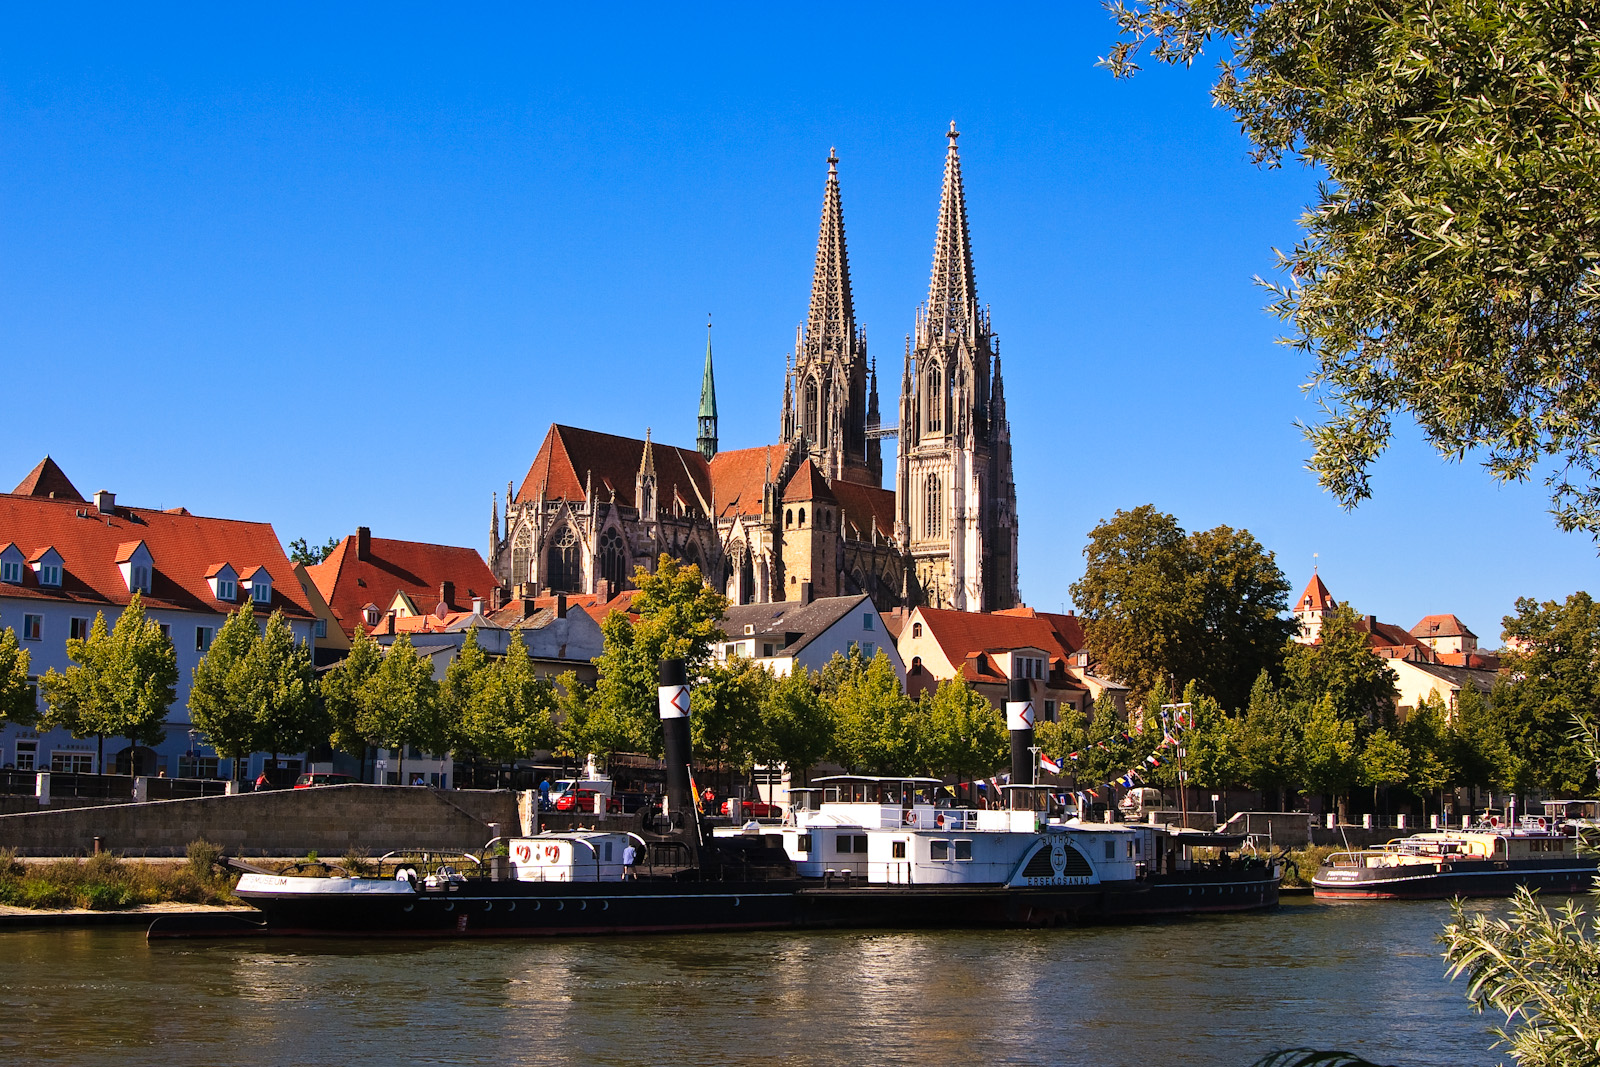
column 808, row 516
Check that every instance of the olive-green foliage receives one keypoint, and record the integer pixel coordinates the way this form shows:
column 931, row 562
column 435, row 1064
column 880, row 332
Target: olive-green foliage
column 343, row 690
column 255, row 689
column 1341, row 669
column 107, row 883
column 1270, row 741
column 301, row 552
column 1300, row 864
column 399, row 701
column 1162, row 607
column 725, row 712
column 1213, row 743
column 18, row 704
column 1329, row 753
column 219, row 704
column 1447, row 271
column 120, row 683
column 962, row 734
column 501, row 708
column 1550, row 677
column 875, row 728
column 797, row 725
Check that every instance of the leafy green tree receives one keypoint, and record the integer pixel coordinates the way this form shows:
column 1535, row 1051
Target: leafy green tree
column 725, row 713
column 1108, row 749
column 342, row 689
column 1483, row 745
column 1550, row 676
column 1384, row 763
column 1269, row 742
column 120, row 683
column 400, row 703
column 219, row 700
column 1433, row 765
column 875, row 728
column 300, row 552
column 19, row 705
column 1162, row 607
column 1446, row 274
column 963, row 733
column 796, row 724
column 1069, row 733
column 679, row 617
column 1341, row 667
column 1329, row 757
column 467, row 676
column 1212, row 744
column 509, row 712
column 281, row 687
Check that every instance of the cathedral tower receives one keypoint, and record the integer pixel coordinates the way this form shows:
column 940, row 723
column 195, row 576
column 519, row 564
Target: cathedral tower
column 956, row 500
column 826, row 403
column 707, row 439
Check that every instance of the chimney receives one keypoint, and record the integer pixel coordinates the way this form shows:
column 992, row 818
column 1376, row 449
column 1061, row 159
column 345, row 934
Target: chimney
column 602, row 590
column 477, row 605
column 363, row 543
column 105, row 501
column 447, row 594
column 525, row 591
column 561, row 605
column 805, row 592
column 497, row 598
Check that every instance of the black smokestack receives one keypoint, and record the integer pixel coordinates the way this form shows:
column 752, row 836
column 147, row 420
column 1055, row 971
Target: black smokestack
column 1019, row 720
column 672, row 698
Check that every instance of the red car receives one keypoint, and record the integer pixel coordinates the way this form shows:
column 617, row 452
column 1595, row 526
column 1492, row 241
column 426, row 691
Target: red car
column 753, row 809
column 583, row 801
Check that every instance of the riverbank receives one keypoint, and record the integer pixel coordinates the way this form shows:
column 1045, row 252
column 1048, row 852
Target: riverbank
column 15, row 918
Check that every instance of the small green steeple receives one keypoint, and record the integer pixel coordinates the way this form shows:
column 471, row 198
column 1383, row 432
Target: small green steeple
column 708, row 406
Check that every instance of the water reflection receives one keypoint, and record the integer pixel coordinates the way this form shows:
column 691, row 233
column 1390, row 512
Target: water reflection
column 1217, row 991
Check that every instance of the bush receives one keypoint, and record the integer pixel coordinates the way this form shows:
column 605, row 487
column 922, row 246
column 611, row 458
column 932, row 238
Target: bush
column 1301, row 863
column 107, row 883
column 203, row 856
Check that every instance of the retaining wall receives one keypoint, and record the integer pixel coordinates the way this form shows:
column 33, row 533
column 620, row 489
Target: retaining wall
column 330, row 820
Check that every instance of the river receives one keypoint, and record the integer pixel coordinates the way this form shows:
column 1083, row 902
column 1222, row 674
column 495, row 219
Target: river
column 1216, row 991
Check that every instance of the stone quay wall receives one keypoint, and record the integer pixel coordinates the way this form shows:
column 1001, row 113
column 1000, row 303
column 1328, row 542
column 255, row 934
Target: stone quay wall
column 330, row 820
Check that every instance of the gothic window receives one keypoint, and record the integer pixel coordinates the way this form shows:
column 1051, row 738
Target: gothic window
column 565, row 573
column 826, row 417
column 813, row 411
column 788, row 518
column 613, row 560
column 933, row 513
column 521, row 556
column 691, row 552
column 935, row 401
column 747, row 579
column 802, row 516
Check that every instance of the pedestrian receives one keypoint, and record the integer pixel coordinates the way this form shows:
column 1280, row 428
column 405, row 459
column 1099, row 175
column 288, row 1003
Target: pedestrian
column 630, row 860
column 262, row 785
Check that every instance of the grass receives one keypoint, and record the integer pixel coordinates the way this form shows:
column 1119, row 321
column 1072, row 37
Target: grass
column 1303, row 863
column 109, row 883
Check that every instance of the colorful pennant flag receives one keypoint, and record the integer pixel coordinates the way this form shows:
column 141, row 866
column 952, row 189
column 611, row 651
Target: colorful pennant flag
column 1053, row 766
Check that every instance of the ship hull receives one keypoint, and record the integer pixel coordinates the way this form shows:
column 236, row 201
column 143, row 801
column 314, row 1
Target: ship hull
column 1429, row 881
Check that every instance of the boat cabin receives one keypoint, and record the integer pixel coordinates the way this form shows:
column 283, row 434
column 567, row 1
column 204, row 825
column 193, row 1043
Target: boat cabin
column 580, row 856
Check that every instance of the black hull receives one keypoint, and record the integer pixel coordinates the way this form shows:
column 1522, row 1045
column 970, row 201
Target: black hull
column 1470, row 879
column 523, row 909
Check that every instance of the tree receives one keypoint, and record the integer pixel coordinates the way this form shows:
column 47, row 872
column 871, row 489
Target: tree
column 725, row 713
column 509, row 712
column 1162, row 607
column 1433, row 752
column 679, row 617
column 465, row 679
column 120, row 684
column 797, row 727
column 1384, row 762
column 875, row 729
column 1269, row 741
column 282, row 691
column 1446, row 273
column 1212, row 744
column 400, row 703
column 963, row 734
column 1329, row 762
column 342, row 689
column 300, row 552
column 19, row 705
column 1341, row 667
column 219, row 701
column 1550, row 676
column 1483, row 748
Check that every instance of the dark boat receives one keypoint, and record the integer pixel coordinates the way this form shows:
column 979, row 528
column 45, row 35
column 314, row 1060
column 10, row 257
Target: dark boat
column 1484, row 861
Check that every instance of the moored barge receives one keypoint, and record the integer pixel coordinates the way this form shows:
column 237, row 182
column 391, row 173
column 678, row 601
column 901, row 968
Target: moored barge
column 1483, row 861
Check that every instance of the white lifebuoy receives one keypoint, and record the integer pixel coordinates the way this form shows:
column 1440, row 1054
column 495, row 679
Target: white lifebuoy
column 911, row 817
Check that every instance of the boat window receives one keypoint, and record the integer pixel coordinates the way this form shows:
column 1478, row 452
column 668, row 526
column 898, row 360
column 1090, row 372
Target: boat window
column 804, row 844
column 938, row 850
column 1111, row 850
column 1130, row 850
column 861, row 844
column 842, row 845
column 963, row 850
column 898, row 851
column 608, row 852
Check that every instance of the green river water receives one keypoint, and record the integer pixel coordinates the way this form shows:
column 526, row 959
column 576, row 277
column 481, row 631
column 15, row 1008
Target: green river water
column 1361, row 976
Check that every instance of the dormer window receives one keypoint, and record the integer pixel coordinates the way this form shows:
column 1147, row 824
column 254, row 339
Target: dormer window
column 49, row 574
column 46, row 565
column 11, row 571
column 133, row 560
column 260, row 583
column 224, row 582
column 370, row 614
column 227, row 590
column 140, row 581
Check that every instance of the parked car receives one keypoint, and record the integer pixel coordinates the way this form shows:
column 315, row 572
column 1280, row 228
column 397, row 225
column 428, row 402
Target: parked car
column 582, row 800
column 752, row 809
column 306, row 781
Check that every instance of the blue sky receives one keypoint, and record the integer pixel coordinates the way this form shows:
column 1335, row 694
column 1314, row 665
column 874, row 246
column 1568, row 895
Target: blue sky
column 334, row 269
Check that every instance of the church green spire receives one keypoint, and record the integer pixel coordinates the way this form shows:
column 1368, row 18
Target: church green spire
column 708, row 406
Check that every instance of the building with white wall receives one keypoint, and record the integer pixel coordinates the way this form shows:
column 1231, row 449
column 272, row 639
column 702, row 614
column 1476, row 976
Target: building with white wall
column 790, row 634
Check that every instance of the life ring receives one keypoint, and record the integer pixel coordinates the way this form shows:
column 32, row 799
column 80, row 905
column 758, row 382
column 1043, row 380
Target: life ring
column 1541, row 822
column 911, row 817
column 938, row 820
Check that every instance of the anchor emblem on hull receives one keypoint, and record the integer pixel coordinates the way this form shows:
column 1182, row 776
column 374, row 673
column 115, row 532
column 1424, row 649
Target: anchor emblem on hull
column 1058, row 856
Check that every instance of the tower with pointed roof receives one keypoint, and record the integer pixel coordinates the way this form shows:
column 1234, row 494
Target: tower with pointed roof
column 826, row 399
column 956, row 498
column 707, row 439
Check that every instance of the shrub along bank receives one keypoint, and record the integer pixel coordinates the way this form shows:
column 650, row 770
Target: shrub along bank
column 107, row 882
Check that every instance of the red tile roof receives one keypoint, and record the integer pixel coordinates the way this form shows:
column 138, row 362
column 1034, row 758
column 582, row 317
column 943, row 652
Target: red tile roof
column 807, row 483
column 1441, row 626
column 1316, row 596
column 1068, row 628
column 570, row 456
column 348, row 583
column 740, row 476
column 182, row 548
column 865, row 506
column 962, row 633
column 48, row 480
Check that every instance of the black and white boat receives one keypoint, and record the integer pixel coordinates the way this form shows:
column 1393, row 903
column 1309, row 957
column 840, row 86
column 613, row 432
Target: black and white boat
column 1487, row 860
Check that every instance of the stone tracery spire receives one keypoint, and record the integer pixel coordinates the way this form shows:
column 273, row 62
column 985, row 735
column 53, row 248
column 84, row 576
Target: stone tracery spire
column 952, row 292
column 831, row 325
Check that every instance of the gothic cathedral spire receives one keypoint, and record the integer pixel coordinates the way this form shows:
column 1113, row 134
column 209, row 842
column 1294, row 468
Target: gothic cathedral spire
column 955, row 495
column 707, row 439
column 825, row 404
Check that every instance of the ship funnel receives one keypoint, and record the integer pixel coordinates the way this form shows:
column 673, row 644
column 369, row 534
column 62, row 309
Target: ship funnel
column 1019, row 720
column 672, row 699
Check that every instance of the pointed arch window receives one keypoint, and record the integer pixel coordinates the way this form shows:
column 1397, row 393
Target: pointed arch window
column 933, row 508
column 613, row 560
column 521, row 556
column 934, row 404
column 813, row 411
column 565, row 568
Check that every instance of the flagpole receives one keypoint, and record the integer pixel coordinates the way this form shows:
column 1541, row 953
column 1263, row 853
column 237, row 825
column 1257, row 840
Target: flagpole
column 1183, row 792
